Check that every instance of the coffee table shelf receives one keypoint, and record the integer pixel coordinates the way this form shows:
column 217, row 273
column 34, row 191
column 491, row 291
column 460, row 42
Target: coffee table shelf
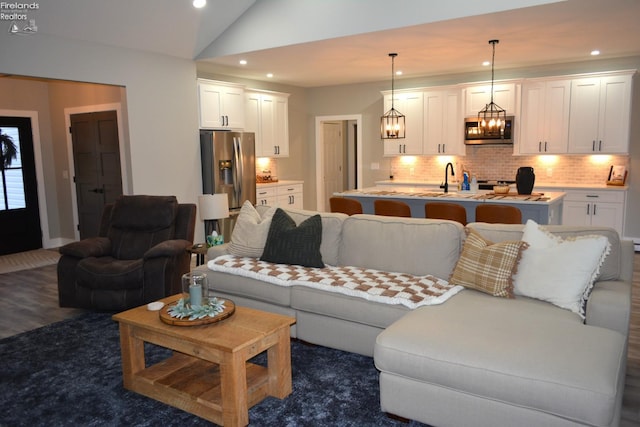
column 193, row 385
column 208, row 374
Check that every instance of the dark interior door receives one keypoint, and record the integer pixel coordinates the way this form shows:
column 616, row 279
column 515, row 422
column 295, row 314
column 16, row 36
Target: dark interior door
column 96, row 157
column 19, row 213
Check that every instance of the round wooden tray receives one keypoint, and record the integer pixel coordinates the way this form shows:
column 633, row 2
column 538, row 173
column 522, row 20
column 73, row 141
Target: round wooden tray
column 229, row 309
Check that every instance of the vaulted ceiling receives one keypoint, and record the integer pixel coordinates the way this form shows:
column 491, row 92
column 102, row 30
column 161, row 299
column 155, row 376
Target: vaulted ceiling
column 312, row 43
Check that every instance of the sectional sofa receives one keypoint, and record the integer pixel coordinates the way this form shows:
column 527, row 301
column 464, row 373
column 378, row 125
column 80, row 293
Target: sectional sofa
column 471, row 355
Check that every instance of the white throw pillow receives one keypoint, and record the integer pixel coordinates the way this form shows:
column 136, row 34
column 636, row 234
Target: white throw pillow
column 559, row 271
column 250, row 232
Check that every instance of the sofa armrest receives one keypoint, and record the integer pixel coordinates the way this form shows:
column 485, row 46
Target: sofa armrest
column 168, row 249
column 91, row 247
column 217, row 250
column 609, row 306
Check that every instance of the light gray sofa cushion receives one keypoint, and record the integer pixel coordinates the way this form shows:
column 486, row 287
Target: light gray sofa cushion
column 411, row 245
column 247, row 287
column 345, row 307
column 522, row 352
column 331, row 230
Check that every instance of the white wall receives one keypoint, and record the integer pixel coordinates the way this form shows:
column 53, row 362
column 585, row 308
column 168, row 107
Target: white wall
column 161, row 102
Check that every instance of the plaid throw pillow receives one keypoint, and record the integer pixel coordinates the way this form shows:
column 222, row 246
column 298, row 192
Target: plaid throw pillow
column 486, row 266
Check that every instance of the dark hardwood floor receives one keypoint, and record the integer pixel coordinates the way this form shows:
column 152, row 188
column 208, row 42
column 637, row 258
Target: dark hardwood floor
column 29, row 299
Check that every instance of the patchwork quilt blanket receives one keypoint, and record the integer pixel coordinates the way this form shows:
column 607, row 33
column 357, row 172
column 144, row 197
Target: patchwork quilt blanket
column 373, row 285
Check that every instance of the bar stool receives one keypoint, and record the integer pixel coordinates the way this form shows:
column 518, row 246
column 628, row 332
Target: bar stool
column 386, row 207
column 445, row 210
column 498, row 214
column 345, row 205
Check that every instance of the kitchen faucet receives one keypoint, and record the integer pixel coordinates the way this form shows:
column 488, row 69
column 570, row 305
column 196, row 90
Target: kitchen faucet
column 446, row 177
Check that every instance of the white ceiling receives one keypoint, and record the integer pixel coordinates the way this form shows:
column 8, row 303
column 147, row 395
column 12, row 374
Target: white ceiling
column 340, row 45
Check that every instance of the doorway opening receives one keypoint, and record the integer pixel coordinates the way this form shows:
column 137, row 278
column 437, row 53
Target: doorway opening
column 338, row 156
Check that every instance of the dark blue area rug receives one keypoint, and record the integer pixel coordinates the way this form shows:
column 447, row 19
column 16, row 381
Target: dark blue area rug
column 69, row 374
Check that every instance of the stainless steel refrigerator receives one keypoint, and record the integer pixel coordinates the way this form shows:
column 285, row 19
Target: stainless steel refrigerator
column 228, row 165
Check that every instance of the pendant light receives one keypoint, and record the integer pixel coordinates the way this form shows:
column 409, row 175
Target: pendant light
column 392, row 122
column 492, row 118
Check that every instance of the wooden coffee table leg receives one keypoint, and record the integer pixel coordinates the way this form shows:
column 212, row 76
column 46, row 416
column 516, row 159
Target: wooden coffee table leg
column 233, row 376
column 279, row 366
column 132, row 350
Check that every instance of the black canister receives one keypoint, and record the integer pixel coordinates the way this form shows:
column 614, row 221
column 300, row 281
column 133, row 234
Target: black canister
column 525, row 178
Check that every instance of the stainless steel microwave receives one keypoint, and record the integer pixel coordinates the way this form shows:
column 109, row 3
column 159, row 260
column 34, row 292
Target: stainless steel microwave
column 475, row 135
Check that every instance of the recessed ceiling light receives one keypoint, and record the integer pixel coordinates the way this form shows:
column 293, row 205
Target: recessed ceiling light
column 595, row 52
column 486, row 63
column 243, row 62
column 198, row 4
column 270, row 75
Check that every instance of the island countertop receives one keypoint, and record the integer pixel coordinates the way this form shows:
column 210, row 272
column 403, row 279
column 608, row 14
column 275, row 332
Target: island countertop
column 544, row 208
column 453, row 196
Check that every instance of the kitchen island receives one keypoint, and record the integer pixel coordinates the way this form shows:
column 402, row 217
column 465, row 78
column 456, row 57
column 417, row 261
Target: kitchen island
column 543, row 208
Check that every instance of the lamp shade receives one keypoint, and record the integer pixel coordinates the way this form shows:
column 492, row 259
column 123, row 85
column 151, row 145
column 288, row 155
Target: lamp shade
column 213, row 206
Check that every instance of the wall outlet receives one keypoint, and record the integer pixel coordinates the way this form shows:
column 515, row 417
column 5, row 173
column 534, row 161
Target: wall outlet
column 375, row 166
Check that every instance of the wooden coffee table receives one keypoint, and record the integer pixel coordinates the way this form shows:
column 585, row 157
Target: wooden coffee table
column 208, row 374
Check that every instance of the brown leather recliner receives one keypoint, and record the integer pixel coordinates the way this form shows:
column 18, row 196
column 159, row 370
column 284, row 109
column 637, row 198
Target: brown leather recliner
column 139, row 256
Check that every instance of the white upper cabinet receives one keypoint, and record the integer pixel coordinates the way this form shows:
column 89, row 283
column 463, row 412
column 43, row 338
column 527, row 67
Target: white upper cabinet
column 221, row 105
column 409, row 104
column 544, row 122
column 600, row 114
column 477, row 97
column 267, row 115
column 443, row 122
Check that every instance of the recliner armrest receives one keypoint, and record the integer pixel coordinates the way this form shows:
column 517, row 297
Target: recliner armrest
column 168, row 248
column 90, row 247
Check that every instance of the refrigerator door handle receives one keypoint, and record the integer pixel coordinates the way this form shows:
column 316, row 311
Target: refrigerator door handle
column 239, row 172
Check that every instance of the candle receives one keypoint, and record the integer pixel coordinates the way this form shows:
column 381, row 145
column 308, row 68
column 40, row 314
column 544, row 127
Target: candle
column 195, row 294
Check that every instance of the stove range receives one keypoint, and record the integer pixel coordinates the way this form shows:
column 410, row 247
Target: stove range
column 487, row 184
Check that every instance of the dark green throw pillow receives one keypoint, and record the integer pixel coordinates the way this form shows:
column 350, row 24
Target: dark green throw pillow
column 291, row 244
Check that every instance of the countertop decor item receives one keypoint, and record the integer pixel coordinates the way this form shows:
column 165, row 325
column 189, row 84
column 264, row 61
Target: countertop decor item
column 617, row 175
column 525, row 179
column 501, row 189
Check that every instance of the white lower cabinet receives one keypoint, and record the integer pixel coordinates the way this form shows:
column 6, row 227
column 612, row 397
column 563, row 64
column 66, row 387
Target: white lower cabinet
column 599, row 208
column 266, row 196
column 290, row 196
column 284, row 195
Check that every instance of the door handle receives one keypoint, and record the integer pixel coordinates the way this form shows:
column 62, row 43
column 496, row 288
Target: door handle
column 97, row 190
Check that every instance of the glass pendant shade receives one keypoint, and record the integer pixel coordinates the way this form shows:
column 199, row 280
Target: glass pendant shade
column 492, row 118
column 392, row 125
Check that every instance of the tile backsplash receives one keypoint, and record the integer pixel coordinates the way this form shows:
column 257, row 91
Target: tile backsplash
column 495, row 163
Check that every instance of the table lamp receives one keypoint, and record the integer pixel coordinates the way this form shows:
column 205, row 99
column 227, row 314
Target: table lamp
column 212, row 208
